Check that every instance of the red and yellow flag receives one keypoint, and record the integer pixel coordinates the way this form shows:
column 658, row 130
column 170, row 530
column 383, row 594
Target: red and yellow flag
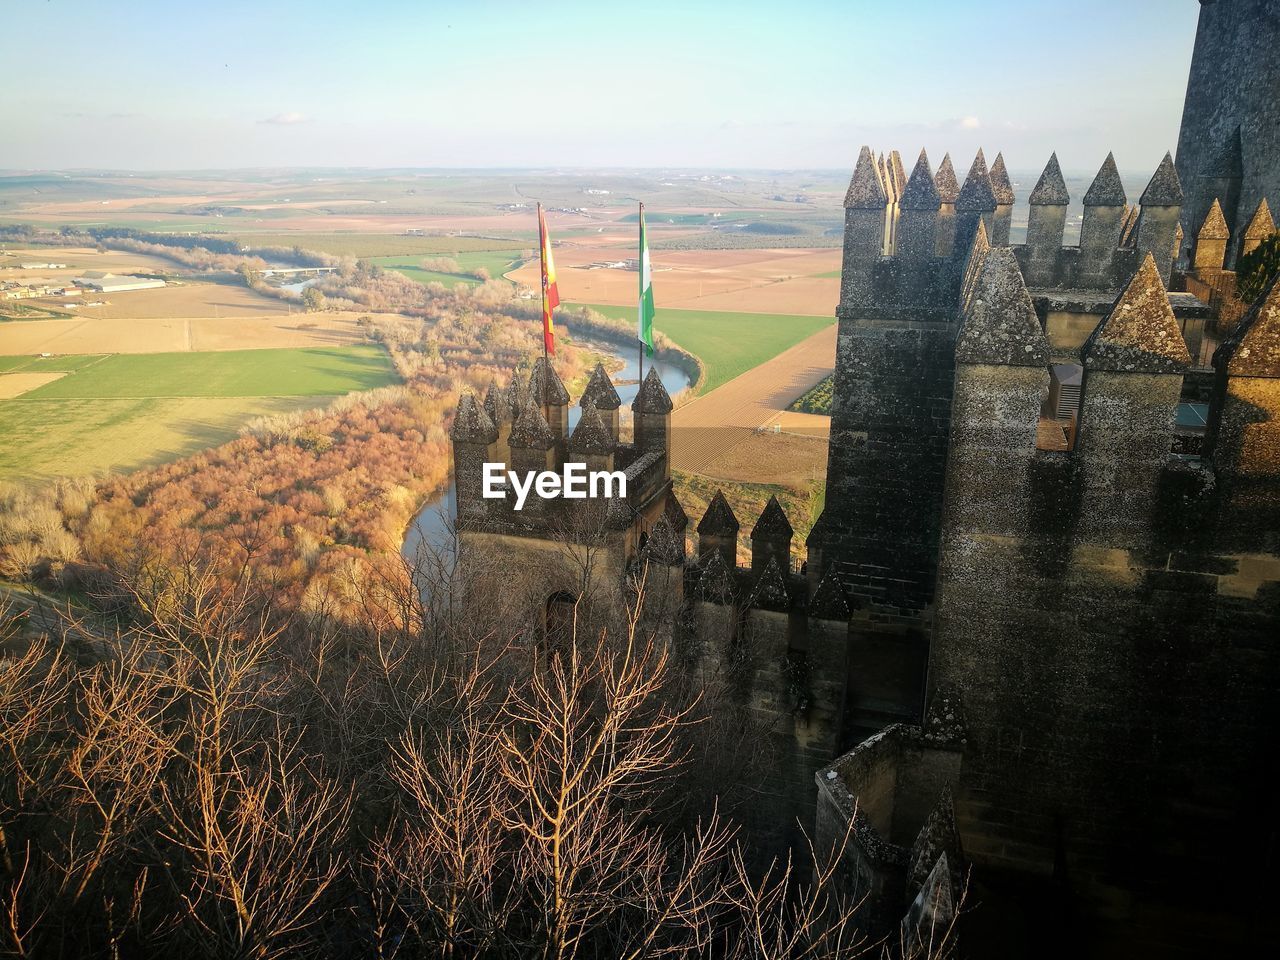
column 550, row 295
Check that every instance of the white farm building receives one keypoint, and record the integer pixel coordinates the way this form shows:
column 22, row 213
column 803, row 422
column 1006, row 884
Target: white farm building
column 111, row 283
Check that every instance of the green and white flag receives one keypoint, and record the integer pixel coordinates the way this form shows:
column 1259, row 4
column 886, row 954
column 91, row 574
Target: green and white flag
column 644, row 328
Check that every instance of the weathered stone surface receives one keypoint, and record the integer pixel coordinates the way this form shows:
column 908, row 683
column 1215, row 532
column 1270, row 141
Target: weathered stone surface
column 946, row 182
column 1106, row 189
column 495, row 404
column 939, row 837
column 1261, row 225
column 716, row 580
column 770, row 590
column 828, row 601
column 866, row 192
column 652, row 396
column 1051, row 189
column 1252, row 349
column 773, row 523
column 978, row 250
column 921, row 193
column 471, row 424
column 1000, row 184
column 600, row 391
column 665, row 546
column 819, row 532
column 1000, row 325
column 1215, row 225
column 1163, row 190
column 675, row 514
column 719, row 519
column 545, row 386
column 591, row 436
column 977, row 194
column 944, row 723
column 1140, row 334
column 897, row 173
column 517, row 396
column 531, row 430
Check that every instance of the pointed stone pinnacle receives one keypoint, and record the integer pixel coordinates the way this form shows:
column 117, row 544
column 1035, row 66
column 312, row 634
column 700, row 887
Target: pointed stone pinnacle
column 591, row 436
column 828, row 601
column 1000, row 184
column 1164, row 190
column 773, row 523
column 921, row 193
column 1106, row 189
column 866, row 192
column 976, row 193
column 716, row 581
column 531, row 431
column 1051, row 189
column 1252, row 348
column 1140, row 334
column 897, row 173
column 945, row 181
column 1260, row 225
column 471, row 424
column 664, row 545
column 1000, row 325
column 1215, row 224
column 675, row 514
column 770, row 592
column 652, row 396
column 719, row 519
column 545, row 386
column 600, row 391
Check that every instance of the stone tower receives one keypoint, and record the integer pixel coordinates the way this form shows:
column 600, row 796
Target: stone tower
column 1229, row 145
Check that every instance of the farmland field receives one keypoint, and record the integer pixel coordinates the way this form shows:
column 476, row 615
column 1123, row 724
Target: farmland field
column 497, row 262
column 127, row 411
column 727, row 343
column 380, row 244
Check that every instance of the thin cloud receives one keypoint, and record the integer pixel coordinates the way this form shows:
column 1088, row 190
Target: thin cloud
column 970, row 123
column 286, row 119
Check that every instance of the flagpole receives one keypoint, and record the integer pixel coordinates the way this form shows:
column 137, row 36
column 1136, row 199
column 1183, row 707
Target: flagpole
column 543, row 243
column 640, row 302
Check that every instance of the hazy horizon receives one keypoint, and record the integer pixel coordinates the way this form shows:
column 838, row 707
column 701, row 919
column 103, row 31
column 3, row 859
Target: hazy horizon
column 506, row 86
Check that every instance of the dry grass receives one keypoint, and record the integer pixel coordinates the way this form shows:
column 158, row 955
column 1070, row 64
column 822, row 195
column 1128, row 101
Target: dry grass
column 16, row 384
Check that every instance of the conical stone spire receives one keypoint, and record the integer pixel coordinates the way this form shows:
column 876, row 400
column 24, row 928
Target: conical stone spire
column 770, row 591
column 866, row 192
column 921, row 193
column 545, row 386
column 1050, row 189
column 517, row 396
column 1252, row 348
column 719, row 520
column 1164, row 189
column 591, row 436
column 495, row 404
column 471, row 424
column 1260, row 225
column 675, row 514
column 652, row 396
column 976, row 194
column 1215, row 224
column 531, row 430
column 828, row 601
column 773, row 524
column 1000, row 325
column 897, row 173
column 945, row 181
column 1000, row 183
column 600, row 391
column 663, row 545
column 716, row 582
column 1140, row 334
column 1106, row 189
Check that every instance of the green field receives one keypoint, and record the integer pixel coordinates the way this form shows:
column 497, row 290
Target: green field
column 122, row 412
column 727, row 343
column 308, row 372
column 497, row 262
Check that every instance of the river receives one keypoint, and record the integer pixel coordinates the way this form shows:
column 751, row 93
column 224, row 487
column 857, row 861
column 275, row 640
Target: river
column 431, row 528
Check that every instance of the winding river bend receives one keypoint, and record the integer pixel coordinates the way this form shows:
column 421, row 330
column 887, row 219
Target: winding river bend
column 431, row 527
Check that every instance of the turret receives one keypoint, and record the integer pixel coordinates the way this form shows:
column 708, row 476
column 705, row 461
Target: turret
column 547, row 391
column 591, row 442
column 1211, row 240
column 601, row 394
column 718, row 531
column 977, row 201
column 1104, row 208
column 1260, row 227
column 771, row 537
column 1003, row 190
column 1000, row 326
column 1046, row 222
column 948, row 191
column 1158, row 219
column 533, row 450
column 473, row 433
column 918, row 220
column 652, row 413
column 864, row 228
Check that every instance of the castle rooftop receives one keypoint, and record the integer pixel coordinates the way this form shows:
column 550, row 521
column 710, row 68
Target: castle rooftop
column 945, row 180
column 471, row 424
column 865, row 192
column 652, row 396
column 545, row 386
column 1106, row 189
column 976, row 193
column 1051, row 189
column 600, row 391
column 921, row 193
column 1000, row 325
column 1000, row 184
column 1164, row 190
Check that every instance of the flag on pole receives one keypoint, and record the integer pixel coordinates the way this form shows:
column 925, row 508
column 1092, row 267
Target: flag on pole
column 550, row 295
column 644, row 327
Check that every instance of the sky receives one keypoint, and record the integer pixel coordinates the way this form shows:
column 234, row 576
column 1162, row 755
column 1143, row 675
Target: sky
column 148, row 85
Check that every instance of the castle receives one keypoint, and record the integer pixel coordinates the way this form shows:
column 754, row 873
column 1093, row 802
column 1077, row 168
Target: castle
column 1033, row 648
